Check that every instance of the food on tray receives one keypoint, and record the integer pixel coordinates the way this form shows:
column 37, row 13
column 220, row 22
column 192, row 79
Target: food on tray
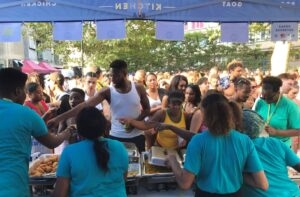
column 152, row 169
column 132, row 173
column 134, row 167
column 158, row 155
column 44, row 166
column 292, row 172
column 131, row 149
column 133, row 170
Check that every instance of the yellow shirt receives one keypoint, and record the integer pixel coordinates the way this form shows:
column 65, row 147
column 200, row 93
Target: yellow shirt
column 99, row 85
column 167, row 138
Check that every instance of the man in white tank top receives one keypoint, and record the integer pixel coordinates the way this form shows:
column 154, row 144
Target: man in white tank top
column 126, row 99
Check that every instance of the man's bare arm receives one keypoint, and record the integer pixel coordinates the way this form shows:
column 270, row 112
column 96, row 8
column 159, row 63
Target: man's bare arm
column 51, row 140
column 144, row 102
column 92, row 101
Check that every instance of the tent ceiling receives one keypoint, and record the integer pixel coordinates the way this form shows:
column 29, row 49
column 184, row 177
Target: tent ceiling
column 171, row 10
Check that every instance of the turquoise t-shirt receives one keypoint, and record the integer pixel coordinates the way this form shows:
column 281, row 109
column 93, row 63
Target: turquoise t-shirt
column 286, row 116
column 78, row 162
column 17, row 124
column 219, row 161
column 275, row 156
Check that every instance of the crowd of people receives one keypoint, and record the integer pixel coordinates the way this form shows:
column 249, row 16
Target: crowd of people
column 219, row 117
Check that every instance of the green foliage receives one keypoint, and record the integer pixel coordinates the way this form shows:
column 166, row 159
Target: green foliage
column 259, row 27
column 199, row 50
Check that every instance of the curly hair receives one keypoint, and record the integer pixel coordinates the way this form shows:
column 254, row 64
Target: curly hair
column 234, row 64
column 253, row 123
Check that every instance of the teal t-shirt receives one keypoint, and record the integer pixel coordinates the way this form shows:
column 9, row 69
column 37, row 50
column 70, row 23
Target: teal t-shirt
column 285, row 116
column 219, row 161
column 17, row 124
column 275, row 156
column 78, row 162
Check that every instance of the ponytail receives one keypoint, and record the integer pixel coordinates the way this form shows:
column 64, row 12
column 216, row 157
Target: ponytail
column 91, row 124
column 102, row 154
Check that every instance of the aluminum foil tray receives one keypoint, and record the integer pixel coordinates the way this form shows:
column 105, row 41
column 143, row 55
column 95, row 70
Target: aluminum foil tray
column 44, row 166
column 152, row 170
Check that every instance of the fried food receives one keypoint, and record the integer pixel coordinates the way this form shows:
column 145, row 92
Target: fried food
column 44, row 166
column 152, row 169
column 132, row 173
column 133, row 169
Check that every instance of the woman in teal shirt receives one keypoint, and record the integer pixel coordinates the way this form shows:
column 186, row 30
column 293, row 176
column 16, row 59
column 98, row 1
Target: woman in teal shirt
column 275, row 156
column 218, row 157
column 281, row 115
column 96, row 166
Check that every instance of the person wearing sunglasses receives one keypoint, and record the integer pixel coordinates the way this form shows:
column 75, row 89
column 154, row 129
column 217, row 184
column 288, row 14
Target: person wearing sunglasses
column 255, row 91
column 281, row 115
column 275, row 157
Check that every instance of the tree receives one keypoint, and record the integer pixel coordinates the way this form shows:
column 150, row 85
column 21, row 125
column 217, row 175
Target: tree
column 199, row 50
column 42, row 34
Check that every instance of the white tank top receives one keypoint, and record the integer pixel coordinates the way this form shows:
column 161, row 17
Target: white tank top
column 124, row 105
column 154, row 102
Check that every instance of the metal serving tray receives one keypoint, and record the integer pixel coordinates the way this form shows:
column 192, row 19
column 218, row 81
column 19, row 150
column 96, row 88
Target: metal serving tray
column 131, row 149
column 159, row 171
column 134, row 167
column 293, row 174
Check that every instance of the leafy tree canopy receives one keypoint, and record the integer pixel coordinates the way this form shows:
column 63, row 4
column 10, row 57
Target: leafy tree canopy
column 199, row 50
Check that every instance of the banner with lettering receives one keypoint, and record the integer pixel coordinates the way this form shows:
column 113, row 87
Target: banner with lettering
column 167, row 10
column 10, row 32
column 284, row 32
